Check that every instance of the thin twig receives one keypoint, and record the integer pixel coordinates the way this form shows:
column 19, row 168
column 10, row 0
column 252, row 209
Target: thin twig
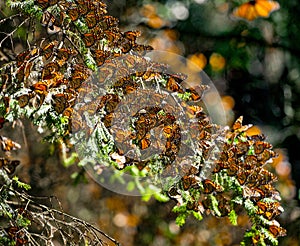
column 12, row 33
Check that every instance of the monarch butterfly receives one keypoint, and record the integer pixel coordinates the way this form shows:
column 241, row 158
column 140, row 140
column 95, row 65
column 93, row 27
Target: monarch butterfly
column 132, row 35
column 267, row 191
column 39, row 87
column 243, row 176
column 76, row 81
column 46, row 3
column 238, row 126
column 172, row 85
column 220, row 165
column 204, row 135
column 17, row 234
column 147, row 75
column 269, row 210
column 142, row 49
column 179, row 77
column 23, row 100
column 120, row 74
column 174, row 193
column 6, row 100
column 232, row 170
column 259, row 137
column 138, row 64
column 100, row 56
column 250, row 162
column 121, row 135
column 203, row 119
column 126, row 46
column 266, row 177
column 22, row 57
column 242, row 147
column 209, row 186
column 47, row 19
column 49, row 70
column 80, row 70
column 83, row 8
column 76, row 121
column 65, row 54
column 129, row 40
column 157, row 67
column 260, row 146
column 73, row 13
column 108, row 22
column 91, row 19
column 78, row 76
column 194, row 109
column 167, row 130
column 68, row 112
column 111, row 36
column 195, row 96
column 144, row 143
column 207, row 203
column 47, row 51
column 106, row 72
column 189, row 181
column 153, row 111
column 89, row 39
column 130, row 89
column 107, row 119
column 277, row 231
column 42, row 3
column 255, row 9
column 266, row 155
column 20, row 73
column 27, row 69
column 60, row 102
column 7, row 144
column 130, row 61
column 81, row 1
column 146, row 121
column 187, row 168
column 223, row 205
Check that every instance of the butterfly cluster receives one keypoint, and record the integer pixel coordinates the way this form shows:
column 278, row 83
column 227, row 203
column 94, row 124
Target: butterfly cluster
column 55, row 68
column 244, row 158
column 209, row 166
column 242, row 161
column 149, row 89
column 53, row 73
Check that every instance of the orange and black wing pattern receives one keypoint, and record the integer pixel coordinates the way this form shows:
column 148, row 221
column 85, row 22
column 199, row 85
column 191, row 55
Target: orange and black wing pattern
column 254, row 9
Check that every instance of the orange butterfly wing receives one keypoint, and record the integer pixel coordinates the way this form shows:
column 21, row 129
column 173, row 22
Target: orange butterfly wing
column 88, row 39
column 60, row 102
column 256, row 8
column 245, row 11
column 264, row 8
column 73, row 14
column 23, row 100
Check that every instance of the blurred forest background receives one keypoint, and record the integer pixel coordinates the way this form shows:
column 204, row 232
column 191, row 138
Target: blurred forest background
column 255, row 65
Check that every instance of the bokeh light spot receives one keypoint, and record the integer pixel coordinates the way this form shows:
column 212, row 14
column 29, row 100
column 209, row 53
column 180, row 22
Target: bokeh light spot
column 217, row 62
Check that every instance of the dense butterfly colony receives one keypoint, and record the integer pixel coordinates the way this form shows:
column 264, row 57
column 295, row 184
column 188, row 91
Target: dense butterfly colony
column 72, row 83
column 242, row 180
